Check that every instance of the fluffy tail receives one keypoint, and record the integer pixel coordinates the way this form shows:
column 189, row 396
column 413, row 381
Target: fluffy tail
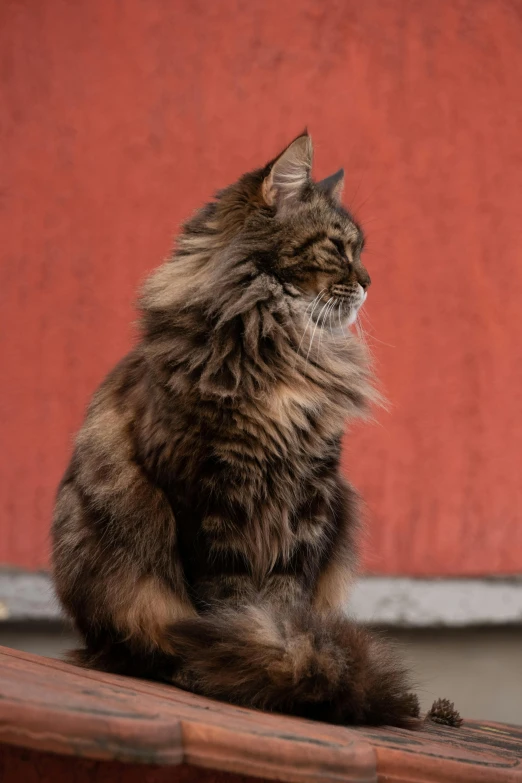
column 296, row 663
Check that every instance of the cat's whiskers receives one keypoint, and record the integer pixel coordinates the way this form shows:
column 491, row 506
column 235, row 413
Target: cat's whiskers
column 362, row 335
column 327, row 311
column 372, row 336
column 315, row 329
column 336, row 305
column 312, row 305
column 329, row 315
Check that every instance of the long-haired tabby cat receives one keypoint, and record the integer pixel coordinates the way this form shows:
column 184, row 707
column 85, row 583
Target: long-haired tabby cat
column 203, row 533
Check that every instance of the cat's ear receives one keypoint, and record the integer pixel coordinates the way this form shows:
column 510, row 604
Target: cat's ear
column 333, row 185
column 288, row 173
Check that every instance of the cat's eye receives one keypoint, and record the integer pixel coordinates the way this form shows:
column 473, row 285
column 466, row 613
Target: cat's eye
column 339, row 246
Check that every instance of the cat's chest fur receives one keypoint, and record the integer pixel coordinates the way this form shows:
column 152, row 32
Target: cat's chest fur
column 304, row 414
column 290, row 444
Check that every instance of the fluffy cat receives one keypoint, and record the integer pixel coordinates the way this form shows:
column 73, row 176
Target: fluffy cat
column 203, row 533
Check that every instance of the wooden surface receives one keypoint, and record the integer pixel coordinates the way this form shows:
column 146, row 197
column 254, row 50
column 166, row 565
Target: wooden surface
column 119, row 119
column 19, row 765
column 48, row 707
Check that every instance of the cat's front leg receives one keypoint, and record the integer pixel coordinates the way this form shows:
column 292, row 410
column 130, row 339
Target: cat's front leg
column 336, row 578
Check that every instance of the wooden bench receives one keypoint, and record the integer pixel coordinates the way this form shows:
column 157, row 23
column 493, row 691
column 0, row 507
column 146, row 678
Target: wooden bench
column 62, row 724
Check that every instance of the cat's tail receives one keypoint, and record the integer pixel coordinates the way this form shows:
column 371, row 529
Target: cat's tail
column 295, row 662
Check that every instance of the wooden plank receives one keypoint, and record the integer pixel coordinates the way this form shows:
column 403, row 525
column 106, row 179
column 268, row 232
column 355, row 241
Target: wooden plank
column 49, row 705
column 475, row 753
column 46, row 705
column 19, row 765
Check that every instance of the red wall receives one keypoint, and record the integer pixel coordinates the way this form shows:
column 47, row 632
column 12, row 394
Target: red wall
column 118, row 119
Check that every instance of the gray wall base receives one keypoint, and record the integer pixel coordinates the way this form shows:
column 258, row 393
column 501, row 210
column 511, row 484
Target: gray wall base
column 395, row 601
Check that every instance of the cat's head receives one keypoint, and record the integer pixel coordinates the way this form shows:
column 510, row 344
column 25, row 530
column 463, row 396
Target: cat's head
column 274, row 223
column 273, row 262
column 319, row 243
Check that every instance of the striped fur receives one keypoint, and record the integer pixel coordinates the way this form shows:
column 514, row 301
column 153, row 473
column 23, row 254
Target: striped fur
column 203, row 533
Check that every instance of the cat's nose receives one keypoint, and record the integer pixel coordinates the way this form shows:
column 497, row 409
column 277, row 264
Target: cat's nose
column 364, row 280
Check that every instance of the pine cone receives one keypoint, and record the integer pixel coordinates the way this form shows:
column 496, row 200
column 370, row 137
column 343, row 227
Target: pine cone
column 443, row 711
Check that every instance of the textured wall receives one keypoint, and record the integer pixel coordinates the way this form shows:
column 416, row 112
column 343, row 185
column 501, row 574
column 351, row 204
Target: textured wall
column 118, row 119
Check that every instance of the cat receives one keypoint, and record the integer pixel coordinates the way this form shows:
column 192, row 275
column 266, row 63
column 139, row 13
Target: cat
column 203, row 534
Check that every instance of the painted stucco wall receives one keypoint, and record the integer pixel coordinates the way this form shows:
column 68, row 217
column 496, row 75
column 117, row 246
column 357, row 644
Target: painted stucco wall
column 118, row 119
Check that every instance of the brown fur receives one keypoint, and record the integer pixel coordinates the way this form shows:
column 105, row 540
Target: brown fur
column 203, row 533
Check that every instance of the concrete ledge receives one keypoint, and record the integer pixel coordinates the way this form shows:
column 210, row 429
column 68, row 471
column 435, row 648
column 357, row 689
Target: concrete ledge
column 394, row 601
column 423, row 603
column 27, row 596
